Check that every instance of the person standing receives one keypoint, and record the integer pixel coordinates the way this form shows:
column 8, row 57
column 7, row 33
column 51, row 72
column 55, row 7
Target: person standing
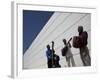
column 66, row 51
column 49, row 56
column 52, row 58
column 81, row 43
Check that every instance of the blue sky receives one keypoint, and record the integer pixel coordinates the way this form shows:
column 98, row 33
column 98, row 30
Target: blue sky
column 33, row 22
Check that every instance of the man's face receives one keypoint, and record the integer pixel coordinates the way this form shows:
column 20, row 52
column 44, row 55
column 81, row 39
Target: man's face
column 48, row 46
column 64, row 41
column 80, row 29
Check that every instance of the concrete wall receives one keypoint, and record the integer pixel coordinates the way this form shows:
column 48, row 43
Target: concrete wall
column 60, row 25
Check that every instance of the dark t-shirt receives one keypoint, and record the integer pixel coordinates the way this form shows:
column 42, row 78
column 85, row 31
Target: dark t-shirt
column 83, row 37
column 49, row 54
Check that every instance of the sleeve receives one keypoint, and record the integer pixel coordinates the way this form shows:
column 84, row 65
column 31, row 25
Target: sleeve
column 47, row 54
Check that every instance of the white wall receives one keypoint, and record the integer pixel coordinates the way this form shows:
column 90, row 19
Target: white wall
column 61, row 25
column 5, row 40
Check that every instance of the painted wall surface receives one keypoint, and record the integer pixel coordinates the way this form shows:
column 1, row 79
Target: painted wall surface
column 61, row 25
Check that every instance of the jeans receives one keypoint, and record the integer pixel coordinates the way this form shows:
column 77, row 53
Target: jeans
column 85, row 57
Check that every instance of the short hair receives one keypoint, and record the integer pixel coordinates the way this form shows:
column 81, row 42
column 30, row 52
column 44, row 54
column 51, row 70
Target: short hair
column 64, row 40
column 80, row 28
column 48, row 46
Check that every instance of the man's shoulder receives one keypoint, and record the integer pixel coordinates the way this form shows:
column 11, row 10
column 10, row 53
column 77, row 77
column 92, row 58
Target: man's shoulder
column 85, row 33
column 48, row 50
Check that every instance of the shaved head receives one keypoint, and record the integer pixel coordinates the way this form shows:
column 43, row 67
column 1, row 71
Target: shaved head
column 80, row 29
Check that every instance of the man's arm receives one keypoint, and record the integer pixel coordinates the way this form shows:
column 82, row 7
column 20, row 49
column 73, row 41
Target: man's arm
column 69, row 42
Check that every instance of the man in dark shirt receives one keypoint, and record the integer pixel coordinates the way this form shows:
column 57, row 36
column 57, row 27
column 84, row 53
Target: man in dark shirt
column 52, row 58
column 84, row 52
column 49, row 56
